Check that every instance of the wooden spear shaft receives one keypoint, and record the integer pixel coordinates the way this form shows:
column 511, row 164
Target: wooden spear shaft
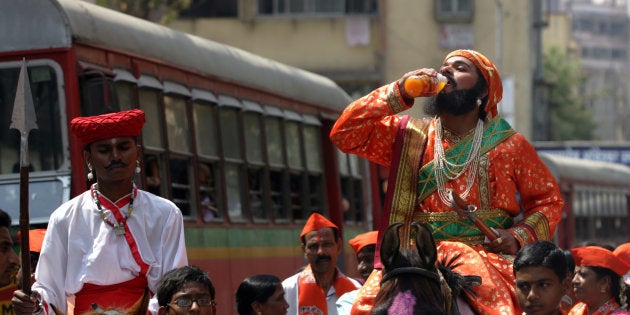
column 23, row 119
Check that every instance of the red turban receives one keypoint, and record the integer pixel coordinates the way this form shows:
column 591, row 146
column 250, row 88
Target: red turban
column 316, row 222
column 362, row 240
column 35, row 239
column 489, row 72
column 595, row 256
column 107, row 126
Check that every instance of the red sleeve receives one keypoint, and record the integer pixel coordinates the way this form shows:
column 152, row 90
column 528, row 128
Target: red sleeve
column 540, row 197
column 368, row 126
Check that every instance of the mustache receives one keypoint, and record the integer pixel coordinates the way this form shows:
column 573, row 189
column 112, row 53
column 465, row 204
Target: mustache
column 321, row 258
column 113, row 164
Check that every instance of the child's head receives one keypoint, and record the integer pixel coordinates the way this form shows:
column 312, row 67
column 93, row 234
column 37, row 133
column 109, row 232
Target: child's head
column 540, row 272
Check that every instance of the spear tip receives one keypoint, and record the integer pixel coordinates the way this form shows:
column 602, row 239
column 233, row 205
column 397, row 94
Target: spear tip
column 23, row 118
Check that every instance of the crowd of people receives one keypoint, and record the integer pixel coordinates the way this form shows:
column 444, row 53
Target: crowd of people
column 490, row 203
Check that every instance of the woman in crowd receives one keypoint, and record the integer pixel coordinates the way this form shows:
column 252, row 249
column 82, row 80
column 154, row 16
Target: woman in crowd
column 597, row 281
column 261, row 295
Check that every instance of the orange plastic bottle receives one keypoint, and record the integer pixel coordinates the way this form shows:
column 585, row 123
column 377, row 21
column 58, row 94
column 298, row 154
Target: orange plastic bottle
column 417, row 85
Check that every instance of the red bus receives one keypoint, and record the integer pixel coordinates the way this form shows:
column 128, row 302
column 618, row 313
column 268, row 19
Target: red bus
column 239, row 142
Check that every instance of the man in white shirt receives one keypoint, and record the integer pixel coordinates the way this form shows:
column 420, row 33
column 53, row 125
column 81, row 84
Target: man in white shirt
column 110, row 245
column 315, row 289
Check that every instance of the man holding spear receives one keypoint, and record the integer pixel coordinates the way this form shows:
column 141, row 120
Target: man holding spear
column 110, row 245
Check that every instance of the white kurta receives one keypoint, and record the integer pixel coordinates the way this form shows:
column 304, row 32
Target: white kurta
column 291, row 285
column 79, row 247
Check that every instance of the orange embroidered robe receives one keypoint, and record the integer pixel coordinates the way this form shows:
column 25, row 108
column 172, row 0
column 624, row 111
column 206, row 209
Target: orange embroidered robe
column 510, row 178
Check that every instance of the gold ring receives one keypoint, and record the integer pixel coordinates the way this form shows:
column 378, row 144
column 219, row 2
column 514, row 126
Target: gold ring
column 500, row 240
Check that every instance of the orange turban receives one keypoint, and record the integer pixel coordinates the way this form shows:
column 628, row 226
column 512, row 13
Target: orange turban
column 595, row 256
column 35, row 239
column 107, row 126
column 317, row 222
column 362, row 240
column 489, row 72
column 623, row 252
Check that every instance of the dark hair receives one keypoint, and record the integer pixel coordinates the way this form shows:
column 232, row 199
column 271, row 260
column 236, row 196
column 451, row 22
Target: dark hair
column 570, row 261
column 176, row 278
column 542, row 254
column 615, row 280
column 254, row 288
column 5, row 219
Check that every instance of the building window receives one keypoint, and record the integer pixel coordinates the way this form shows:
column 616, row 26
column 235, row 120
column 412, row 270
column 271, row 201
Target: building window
column 458, row 11
column 316, row 7
column 208, row 8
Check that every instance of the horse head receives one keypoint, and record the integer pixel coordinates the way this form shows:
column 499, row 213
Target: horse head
column 411, row 283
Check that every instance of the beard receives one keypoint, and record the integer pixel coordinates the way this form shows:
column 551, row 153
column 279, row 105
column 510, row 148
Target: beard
column 457, row 102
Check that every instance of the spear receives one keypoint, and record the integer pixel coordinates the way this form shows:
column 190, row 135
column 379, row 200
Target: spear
column 23, row 120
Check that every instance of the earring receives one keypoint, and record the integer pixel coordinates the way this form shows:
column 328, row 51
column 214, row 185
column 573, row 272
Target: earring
column 478, row 102
column 138, row 169
column 90, row 175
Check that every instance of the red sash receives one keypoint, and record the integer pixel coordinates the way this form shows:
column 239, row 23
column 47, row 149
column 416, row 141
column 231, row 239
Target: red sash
column 312, row 298
column 365, row 298
column 120, row 296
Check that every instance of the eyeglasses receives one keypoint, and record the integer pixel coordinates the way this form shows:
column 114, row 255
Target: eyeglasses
column 186, row 302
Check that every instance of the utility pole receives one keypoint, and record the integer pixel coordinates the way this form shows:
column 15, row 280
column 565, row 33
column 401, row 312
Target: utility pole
column 541, row 130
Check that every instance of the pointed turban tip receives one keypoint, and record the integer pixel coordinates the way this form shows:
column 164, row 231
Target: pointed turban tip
column 316, row 222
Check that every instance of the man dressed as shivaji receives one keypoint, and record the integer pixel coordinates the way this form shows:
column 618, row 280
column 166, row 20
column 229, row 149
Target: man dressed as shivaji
column 111, row 244
column 466, row 150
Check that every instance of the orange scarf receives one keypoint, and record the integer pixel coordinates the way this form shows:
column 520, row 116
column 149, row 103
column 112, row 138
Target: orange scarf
column 312, row 298
column 607, row 308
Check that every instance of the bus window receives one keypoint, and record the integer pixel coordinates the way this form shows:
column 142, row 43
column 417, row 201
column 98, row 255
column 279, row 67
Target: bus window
column 256, row 201
column 204, row 117
column 180, row 184
column 276, row 180
column 232, row 151
column 152, row 131
column 296, row 183
column 98, row 93
column 45, row 142
column 314, row 163
column 126, row 99
column 252, row 118
column 293, row 147
column 208, row 197
column 274, row 141
column 153, row 171
column 178, row 138
column 125, row 94
column 206, row 131
column 149, row 101
column 295, row 161
column 351, row 187
column 177, row 127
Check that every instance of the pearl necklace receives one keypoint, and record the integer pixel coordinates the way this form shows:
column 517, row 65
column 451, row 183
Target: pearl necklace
column 119, row 227
column 445, row 169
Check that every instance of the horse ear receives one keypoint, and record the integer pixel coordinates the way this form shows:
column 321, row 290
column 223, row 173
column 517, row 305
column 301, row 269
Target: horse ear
column 390, row 244
column 425, row 244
